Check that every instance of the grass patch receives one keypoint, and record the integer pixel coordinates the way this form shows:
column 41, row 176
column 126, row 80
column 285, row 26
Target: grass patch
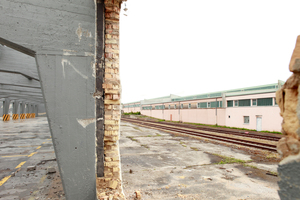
column 158, row 135
column 131, row 137
column 182, row 143
column 273, row 173
column 146, row 146
column 194, row 148
column 132, row 113
column 272, row 155
column 161, row 120
column 253, row 167
column 137, row 128
column 229, row 160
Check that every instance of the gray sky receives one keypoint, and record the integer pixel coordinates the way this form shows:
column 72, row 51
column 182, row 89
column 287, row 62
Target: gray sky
column 196, row 46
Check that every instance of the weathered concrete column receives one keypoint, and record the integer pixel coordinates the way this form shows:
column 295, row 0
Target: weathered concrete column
column 36, row 113
column 22, row 110
column 6, row 104
column 27, row 110
column 288, row 99
column 15, row 110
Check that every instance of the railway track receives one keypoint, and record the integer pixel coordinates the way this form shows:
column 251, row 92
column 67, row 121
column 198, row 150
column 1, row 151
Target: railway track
column 249, row 140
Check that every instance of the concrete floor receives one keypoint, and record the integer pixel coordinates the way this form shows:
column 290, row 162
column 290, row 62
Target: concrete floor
column 158, row 164
column 23, row 144
column 164, row 166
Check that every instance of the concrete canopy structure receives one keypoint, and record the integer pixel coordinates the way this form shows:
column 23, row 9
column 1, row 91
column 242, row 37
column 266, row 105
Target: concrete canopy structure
column 78, row 73
column 19, row 83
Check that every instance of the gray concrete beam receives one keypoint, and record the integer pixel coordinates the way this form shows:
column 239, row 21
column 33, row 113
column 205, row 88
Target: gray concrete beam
column 27, row 98
column 18, row 80
column 7, row 92
column 22, row 89
column 12, row 61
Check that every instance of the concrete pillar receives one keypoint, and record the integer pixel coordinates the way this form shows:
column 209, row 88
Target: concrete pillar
column 36, row 110
column 27, row 110
column 6, row 104
column 15, row 110
column 22, row 110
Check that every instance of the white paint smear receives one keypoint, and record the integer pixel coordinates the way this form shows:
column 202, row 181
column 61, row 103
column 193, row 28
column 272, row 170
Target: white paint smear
column 67, row 63
column 85, row 122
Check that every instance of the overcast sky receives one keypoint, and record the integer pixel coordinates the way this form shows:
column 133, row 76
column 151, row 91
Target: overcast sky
column 196, row 46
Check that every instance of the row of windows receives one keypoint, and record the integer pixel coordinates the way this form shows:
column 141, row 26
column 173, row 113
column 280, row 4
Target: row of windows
column 131, row 106
column 212, row 104
column 255, row 102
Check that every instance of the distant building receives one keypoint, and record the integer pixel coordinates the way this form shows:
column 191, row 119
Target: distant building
column 251, row 108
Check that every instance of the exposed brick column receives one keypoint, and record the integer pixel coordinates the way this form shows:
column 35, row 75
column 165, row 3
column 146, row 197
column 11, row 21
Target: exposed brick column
column 110, row 186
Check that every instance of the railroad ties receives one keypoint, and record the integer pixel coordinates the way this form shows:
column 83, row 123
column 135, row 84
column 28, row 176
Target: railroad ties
column 251, row 139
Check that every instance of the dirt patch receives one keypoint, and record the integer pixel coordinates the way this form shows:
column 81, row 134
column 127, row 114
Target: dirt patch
column 259, row 174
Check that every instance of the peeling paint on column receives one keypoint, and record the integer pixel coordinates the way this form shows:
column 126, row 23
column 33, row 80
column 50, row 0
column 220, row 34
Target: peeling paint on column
column 82, row 32
column 85, row 122
column 68, row 63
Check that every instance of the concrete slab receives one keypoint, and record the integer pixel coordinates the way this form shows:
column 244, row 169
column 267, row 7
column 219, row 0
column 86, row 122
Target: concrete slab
column 25, row 143
column 165, row 166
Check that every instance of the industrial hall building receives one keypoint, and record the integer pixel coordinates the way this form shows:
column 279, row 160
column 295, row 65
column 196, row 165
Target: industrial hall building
column 250, row 108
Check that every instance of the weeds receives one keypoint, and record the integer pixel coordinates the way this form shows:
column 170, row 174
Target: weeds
column 137, row 128
column 229, row 160
column 132, row 113
column 145, row 145
column 131, row 137
column 253, row 167
column 194, row 148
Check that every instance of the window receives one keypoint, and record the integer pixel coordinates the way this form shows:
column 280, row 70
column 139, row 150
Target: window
column 189, row 105
column 181, row 106
column 203, row 105
column 229, row 103
column 208, row 104
column 236, row 103
column 265, row 102
column 174, row 106
column 275, row 101
column 169, row 106
column 246, row 120
column 244, row 102
column 198, row 105
column 254, row 102
column 214, row 104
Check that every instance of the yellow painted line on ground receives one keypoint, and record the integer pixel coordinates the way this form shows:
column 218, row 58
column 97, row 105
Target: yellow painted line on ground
column 38, row 147
column 42, row 179
column 32, row 196
column 20, row 165
column 48, row 139
column 4, row 180
column 43, row 142
column 27, row 146
column 13, row 156
column 31, row 154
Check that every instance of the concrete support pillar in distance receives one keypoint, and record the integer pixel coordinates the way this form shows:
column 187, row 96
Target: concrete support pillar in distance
column 36, row 110
column 27, row 110
column 15, row 110
column 6, row 103
column 22, row 110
